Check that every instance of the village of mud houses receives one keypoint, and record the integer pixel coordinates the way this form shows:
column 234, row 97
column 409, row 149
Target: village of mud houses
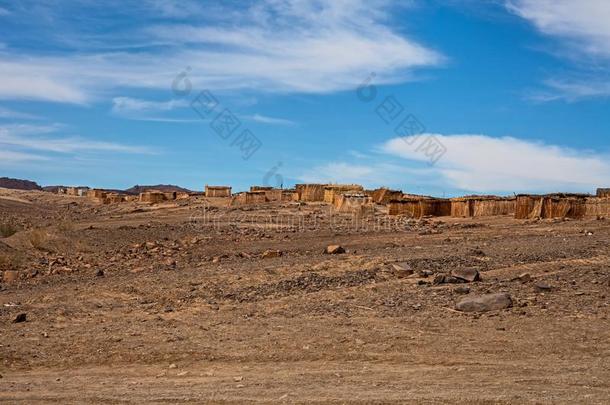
column 335, row 202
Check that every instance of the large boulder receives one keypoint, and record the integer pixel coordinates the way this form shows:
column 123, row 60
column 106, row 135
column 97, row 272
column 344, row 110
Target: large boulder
column 483, row 303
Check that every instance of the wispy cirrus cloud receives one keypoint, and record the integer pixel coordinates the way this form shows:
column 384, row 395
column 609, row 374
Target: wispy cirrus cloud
column 272, row 46
column 12, row 114
column 130, row 105
column 264, row 119
column 149, row 110
column 583, row 31
column 36, row 138
column 582, row 24
column 7, row 156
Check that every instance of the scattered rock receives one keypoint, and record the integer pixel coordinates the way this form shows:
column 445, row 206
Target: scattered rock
column 334, row 250
column 22, row 317
column 524, row 278
column 173, row 365
column 170, row 263
column 99, row 273
column 238, row 379
column 269, row 254
column 425, row 273
column 486, row 302
column 401, row 269
column 216, row 259
column 541, row 286
column 469, row 275
column 446, row 279
column 462, row 289
column 10, row 276
column 138, row 269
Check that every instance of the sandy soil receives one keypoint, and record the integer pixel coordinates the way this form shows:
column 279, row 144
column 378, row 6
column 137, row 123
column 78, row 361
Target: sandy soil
column 179, row 303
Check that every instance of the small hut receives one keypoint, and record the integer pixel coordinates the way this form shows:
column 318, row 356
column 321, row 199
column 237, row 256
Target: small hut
column 597, row 207
column 96, row 193
column 331, row 191
column 385, row 195
column 480, row 206
column 273, row 194
column 407, row 206
column 260, row 188
column 435, row 207
column 352, row 202
column 113, row 198
column 170, row 195
column 310, row 192
column 217, row 191
column 249, row 197
column 290, row 195
column 152, row 197
column 550, row 206
column 603, row 192
column 420, row 207
column 77, row 191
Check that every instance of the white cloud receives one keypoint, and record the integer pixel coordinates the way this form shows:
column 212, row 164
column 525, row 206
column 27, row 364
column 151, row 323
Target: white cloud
column 583, row 30
column 572, row 89
column 147, row 110
column 369, row 175
column 308, row 46
column 129, row 105
column 263, row 119
column 29, row 137
column 585, row 21
column 8, row 113
column 4, row 12
column 7, row 156
column 481, row 163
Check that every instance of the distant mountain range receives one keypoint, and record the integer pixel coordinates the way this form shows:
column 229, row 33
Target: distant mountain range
column 160, row 187
column 18, row 184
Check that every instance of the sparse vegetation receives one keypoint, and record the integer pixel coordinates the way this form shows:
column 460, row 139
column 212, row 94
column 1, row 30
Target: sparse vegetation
column 11, row 261
column 38, row 238
column 65, row 226
column 7, row 230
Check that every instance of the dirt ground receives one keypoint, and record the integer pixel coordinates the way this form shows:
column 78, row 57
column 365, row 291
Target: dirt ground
column 179, row 303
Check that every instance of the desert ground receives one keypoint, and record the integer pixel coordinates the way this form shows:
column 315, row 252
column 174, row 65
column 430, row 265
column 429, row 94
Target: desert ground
column 194, row 301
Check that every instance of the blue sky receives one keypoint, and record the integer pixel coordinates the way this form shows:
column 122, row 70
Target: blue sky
column 495, row 96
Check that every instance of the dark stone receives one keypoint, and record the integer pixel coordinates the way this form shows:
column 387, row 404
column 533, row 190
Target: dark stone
column 22, row 317
column 542, row 287
column 462, row 289
column 468, row 275
column 486, row 302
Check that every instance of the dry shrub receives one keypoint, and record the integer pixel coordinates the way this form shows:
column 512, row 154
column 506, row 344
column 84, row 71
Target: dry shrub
column 11, row 261
column 7, row 230
column 65, row 226
column 38, row 238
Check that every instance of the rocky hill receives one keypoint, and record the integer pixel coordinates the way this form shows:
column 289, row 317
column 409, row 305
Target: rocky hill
column 18, row 184
column 137, row 189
